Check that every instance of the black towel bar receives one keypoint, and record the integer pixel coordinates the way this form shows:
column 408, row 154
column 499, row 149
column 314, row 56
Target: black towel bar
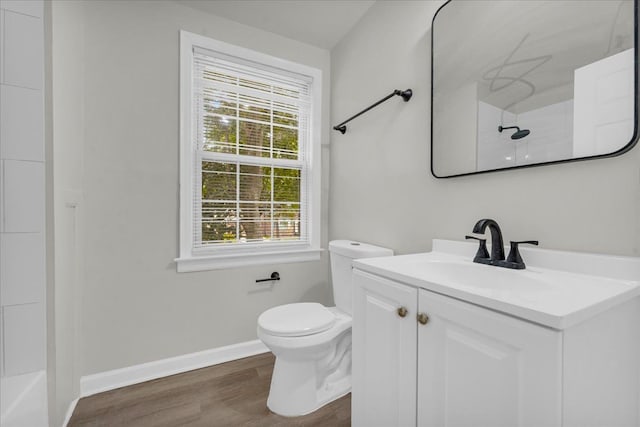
column 405, row 94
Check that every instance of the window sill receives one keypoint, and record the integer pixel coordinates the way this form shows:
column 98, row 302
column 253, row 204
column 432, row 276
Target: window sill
column 235, row 260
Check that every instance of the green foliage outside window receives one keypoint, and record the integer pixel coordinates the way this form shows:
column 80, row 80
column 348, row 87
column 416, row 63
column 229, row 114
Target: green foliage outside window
column 237, row 199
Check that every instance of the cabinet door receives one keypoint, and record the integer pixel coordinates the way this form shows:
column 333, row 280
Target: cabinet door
column 480, row 368
column 384, row 353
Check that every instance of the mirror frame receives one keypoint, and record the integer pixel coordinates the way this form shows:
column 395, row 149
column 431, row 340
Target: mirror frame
column 624, row 149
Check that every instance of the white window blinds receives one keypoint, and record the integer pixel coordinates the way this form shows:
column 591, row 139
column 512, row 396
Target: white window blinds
column 251, row 150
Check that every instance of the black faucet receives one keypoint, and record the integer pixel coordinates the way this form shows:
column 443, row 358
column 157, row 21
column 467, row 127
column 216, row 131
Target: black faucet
column 514, row 260
column 497, row 247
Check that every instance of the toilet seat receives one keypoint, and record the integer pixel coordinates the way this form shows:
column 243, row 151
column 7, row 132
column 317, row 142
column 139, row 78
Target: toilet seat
column 296, row 320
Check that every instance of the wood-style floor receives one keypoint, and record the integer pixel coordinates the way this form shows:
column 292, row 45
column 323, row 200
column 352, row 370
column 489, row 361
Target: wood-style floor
column 229, row 394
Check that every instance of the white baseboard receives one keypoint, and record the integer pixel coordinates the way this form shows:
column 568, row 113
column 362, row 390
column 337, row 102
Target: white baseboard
column 109, row 380
column 72, row 407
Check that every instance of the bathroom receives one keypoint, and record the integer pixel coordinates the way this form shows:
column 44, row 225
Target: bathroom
column 111, row 166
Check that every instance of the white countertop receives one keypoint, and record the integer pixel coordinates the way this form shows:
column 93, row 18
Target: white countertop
column 550, row 297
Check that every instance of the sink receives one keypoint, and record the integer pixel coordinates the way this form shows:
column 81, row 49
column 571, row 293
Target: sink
column 466, row 273
column 543, row 293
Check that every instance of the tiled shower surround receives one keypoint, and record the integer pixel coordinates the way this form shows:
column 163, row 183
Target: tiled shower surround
column 22, row 210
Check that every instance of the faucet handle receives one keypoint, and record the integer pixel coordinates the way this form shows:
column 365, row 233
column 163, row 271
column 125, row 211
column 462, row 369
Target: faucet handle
column 482, row 253
column 514, row 260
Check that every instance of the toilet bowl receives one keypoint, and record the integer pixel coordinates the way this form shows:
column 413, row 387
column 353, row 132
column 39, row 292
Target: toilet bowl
column 312, row 369
column 311, row 342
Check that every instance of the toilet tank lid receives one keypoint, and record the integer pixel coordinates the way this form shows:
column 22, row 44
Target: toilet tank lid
column 355, row 250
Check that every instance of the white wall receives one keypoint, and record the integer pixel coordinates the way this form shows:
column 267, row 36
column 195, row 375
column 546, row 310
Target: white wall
column 458, row 129
column 135, row 308
column 22, row 210
column 381, row 187
column 67, row 69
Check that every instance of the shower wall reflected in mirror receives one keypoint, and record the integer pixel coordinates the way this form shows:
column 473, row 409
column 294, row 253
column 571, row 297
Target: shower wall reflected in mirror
column 522, row 83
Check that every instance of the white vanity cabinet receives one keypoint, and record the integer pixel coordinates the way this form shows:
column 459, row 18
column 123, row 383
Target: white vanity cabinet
column 473, row 366
column 477, row 367
column 384, row 352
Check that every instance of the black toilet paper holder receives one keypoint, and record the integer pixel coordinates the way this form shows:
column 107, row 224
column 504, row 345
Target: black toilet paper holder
column 274, row 276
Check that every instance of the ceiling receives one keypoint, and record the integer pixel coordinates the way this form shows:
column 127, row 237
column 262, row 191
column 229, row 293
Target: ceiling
column 321, row 23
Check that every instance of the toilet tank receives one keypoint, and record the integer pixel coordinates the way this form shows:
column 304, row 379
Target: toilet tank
column 342, row 252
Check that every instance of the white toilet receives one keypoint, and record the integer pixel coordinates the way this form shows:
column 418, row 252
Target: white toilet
column 311, row 342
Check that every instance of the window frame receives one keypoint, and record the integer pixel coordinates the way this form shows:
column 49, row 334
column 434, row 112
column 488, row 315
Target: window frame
column 245, row 254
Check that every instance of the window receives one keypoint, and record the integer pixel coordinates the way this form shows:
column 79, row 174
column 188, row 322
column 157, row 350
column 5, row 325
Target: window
column 249, row 167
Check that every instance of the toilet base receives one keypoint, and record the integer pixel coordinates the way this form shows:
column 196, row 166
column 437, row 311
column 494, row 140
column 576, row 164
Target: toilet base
column 302, row 386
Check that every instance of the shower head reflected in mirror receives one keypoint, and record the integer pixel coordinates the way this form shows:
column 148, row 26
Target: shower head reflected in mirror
column 517, row 134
